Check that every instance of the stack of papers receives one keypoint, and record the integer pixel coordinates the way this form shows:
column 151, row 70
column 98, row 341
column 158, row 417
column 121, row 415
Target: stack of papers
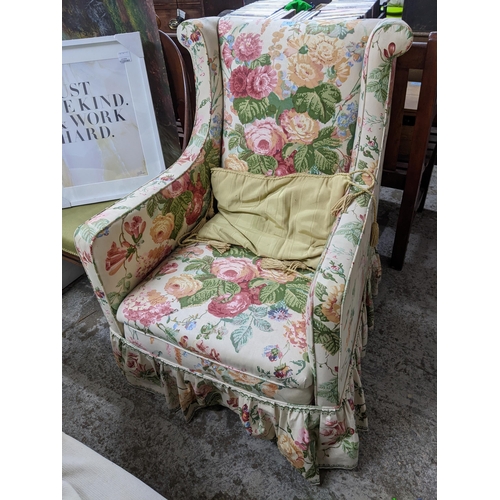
column 336, row 9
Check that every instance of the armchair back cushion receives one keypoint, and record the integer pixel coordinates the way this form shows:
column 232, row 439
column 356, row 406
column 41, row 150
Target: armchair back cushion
column 285, row 218
column 291, row 94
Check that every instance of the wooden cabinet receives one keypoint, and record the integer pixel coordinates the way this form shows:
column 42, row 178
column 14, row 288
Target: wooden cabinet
column 166, row 10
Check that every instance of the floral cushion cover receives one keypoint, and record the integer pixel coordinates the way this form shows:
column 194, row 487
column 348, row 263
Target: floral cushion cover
column 234, row 316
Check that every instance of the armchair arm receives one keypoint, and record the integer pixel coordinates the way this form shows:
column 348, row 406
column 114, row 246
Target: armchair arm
column 122, row 244
column 338, row 307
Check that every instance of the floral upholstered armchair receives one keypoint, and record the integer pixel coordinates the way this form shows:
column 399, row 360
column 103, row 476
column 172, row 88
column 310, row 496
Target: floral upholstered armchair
column 243, row 275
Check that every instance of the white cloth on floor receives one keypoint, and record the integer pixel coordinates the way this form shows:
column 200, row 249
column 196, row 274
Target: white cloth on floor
column 86, row 475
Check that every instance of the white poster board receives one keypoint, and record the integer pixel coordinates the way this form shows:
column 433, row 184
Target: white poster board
column 110, row 140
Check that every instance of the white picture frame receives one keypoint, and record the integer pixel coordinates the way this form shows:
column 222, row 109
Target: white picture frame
column 110, row 140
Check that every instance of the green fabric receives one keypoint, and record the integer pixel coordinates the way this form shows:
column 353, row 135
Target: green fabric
column 284, row 218
column 298, row 5
column 74, row 217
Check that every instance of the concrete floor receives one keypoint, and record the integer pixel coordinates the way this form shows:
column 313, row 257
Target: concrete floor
column 212, row 458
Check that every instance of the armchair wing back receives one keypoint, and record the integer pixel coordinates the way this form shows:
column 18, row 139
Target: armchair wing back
column 205, row 324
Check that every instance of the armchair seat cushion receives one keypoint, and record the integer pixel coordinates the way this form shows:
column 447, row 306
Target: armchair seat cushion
column 227, row 318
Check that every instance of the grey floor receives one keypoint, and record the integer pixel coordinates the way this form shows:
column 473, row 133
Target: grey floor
column 212, row 458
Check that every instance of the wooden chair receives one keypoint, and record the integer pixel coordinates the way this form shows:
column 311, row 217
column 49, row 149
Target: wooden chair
column 411, row 149
column 181, row 86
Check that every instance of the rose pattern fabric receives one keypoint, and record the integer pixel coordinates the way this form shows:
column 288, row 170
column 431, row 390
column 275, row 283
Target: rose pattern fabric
column 182, row 286
column 308, row 439
column 219, row 306
column 311, row 97
column 299, row 127
column 265, row 137
column 292, row 95
column 145, row 226
column 148, row 308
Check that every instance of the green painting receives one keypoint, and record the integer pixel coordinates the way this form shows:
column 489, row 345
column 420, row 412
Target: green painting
column 84, row 19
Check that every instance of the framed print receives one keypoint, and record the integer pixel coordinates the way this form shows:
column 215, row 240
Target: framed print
column 110, row 140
